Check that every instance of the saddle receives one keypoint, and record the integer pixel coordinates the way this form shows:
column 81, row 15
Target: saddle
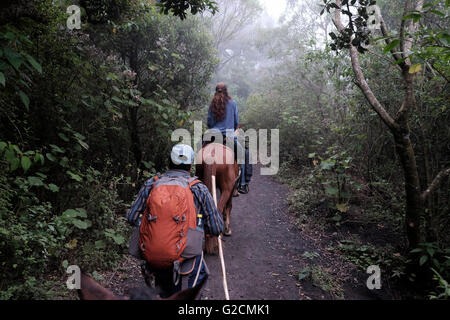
column 222, row 141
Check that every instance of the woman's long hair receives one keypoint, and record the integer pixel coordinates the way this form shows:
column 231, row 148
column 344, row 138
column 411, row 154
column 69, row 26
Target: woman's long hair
column 219, row 103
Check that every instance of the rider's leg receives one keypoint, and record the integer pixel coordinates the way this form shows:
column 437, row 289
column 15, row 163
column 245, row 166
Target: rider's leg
column 241, row 160
column 248, row 167
column 243, row 181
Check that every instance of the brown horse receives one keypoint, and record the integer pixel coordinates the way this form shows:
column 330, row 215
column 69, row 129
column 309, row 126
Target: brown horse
column 91, row 290
column 218, row 160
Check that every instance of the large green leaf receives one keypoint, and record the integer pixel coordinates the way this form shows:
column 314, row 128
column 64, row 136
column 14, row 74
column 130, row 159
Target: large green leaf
column 327, row 164
column 53, row 188
column 332, row 191
column 15, row 164
column 100, row 244
column 71, row 213
column 63, row 137
column 50, row 157
column 415, row 16
column 26, row 163
column 81, row 224
column 74, row 176
column 35, row 181
column 34, row 63
column 25, row 99
column 423, row 260
column 119, row 239
column 56, row 149
column 83, row 144
column 13, row 58
column 10, row 155
column 394, row 43
column 82, row 212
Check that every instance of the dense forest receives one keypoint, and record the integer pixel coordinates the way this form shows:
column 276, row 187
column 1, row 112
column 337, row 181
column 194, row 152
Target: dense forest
column 358, row 89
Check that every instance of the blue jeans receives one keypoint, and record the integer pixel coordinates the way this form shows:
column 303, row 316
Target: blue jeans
column 239, row 155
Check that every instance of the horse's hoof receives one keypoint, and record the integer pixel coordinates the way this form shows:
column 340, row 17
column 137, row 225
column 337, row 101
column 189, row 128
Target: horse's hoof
column 227, row 233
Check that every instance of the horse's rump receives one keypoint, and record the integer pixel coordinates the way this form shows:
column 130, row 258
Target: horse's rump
column 216, row 153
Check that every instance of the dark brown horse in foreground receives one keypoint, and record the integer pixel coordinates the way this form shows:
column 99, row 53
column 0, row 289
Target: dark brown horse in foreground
column 218, row 160
column 91, row 290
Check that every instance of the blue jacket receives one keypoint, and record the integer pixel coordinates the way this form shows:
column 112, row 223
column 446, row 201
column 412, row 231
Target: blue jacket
column 229, row 123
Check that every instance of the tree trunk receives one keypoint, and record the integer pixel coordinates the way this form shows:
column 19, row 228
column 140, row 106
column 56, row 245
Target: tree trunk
column 405, row 151
column 398, row 126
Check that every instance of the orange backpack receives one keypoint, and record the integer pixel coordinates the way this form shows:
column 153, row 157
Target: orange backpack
column 170, row 213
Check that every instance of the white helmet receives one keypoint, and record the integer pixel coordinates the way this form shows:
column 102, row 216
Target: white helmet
column 182, row 154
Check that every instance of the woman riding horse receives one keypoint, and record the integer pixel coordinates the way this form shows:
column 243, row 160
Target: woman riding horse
column 223, row 115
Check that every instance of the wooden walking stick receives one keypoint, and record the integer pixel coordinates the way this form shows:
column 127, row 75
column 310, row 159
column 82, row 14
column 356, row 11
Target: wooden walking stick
column 222, row 261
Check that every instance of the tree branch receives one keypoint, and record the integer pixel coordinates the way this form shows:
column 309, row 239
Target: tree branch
column 360, row 79
column 411, row 29
column 435, row 184
column 397, row 56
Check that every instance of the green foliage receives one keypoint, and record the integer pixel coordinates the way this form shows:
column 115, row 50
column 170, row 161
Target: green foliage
column 81, row 126
column 365, row 255
column 324, row 279
column 333, row 175
column 442, row 286
column 16, row 65
column 431, row 257
column 179, row 7
column 334, row 149
column 357, row 31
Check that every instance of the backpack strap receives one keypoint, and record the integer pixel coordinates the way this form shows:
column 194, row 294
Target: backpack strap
column 155, row 180
column 193, row 181
column 135, row 220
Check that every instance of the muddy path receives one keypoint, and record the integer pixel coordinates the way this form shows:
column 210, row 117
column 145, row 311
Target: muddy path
column 265, row 255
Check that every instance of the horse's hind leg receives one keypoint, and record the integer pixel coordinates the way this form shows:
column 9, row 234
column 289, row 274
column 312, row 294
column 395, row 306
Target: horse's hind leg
column 232, row 173
column 211, row 245
column 225, row 195
column 227, row 213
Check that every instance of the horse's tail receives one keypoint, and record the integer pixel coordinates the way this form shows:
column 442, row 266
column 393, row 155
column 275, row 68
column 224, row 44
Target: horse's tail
column 209, row 170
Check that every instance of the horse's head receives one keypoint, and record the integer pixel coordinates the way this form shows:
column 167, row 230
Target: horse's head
column 91, row 290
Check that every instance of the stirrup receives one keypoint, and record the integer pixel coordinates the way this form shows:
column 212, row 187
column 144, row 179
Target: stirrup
column 244, row 190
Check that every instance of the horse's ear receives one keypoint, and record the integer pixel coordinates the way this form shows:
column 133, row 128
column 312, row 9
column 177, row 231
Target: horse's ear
column 91, row 290
column 189, row 294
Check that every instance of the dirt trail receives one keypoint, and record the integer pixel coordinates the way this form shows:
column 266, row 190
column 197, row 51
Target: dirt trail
column 263, row 249
column 264, row 255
